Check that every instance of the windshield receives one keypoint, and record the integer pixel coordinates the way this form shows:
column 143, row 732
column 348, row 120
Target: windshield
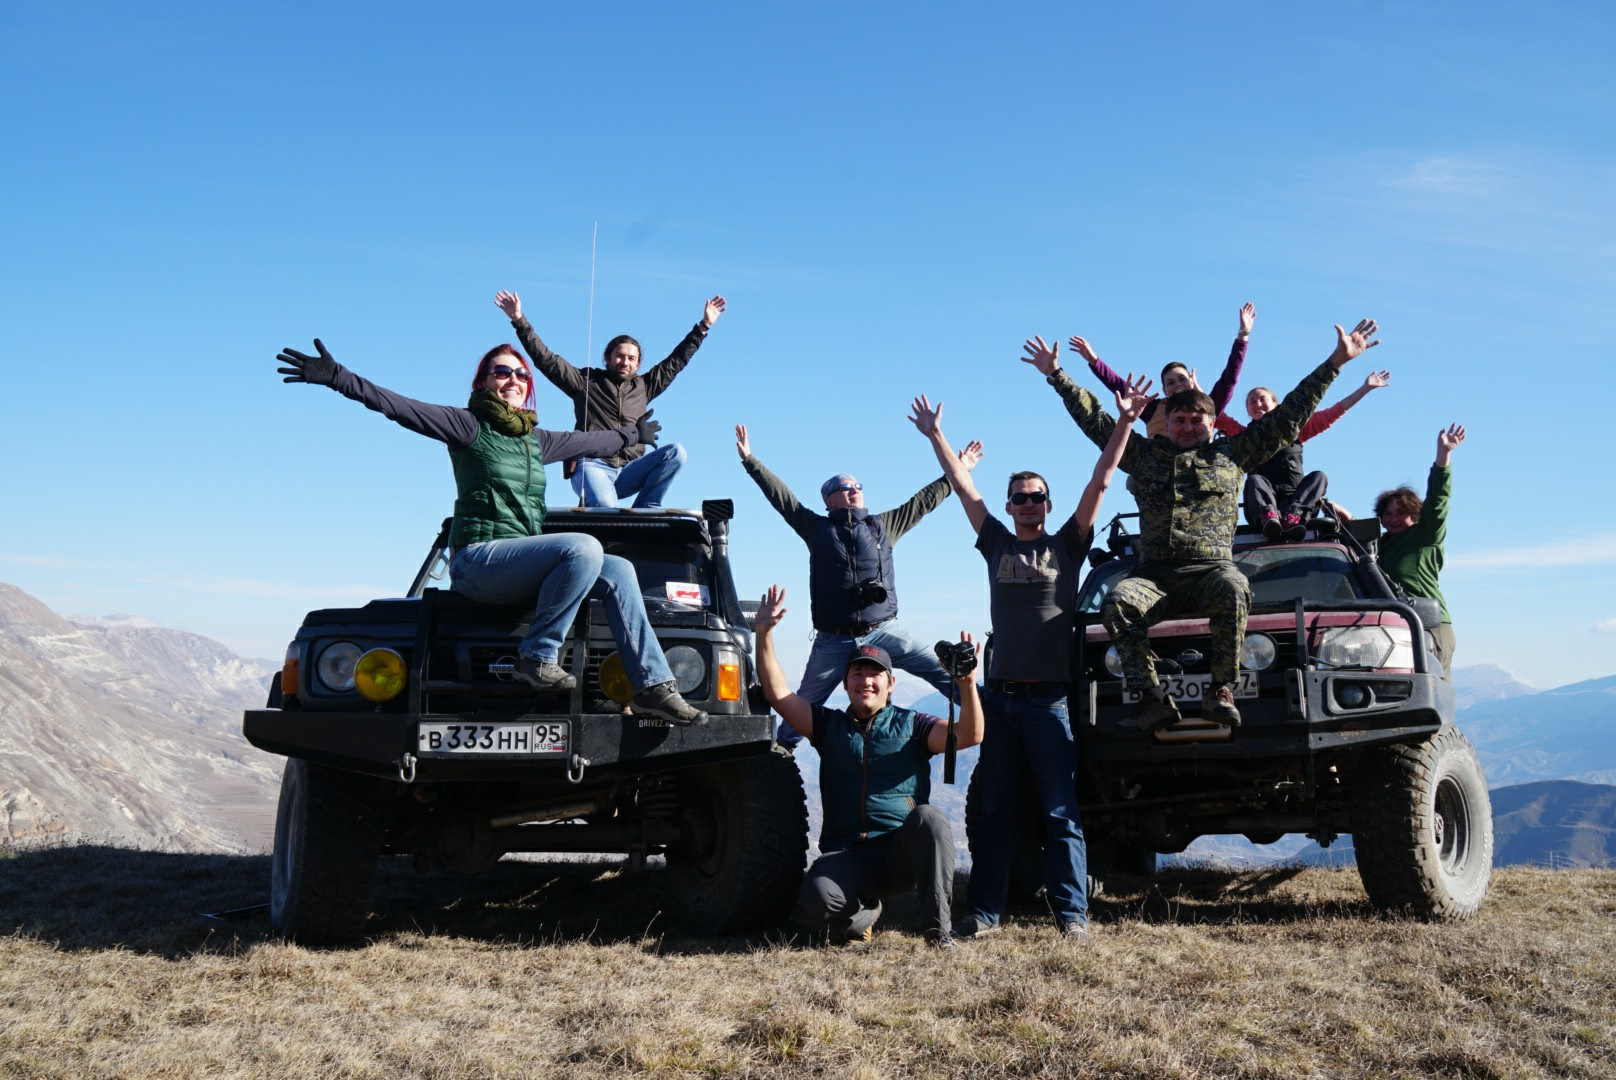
column 1279, row 575
column 672, row 579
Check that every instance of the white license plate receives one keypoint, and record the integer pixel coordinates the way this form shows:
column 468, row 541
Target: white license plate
column 519, row 739
column 1194, row 688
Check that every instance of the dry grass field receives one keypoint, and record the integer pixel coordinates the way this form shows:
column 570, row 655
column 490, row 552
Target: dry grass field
column 109, row 969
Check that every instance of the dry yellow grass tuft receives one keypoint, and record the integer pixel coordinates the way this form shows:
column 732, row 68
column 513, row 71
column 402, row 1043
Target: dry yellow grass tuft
column 108, row 969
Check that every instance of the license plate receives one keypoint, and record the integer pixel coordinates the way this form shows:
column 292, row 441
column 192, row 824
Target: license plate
column 502, row 739
column 1194, row 688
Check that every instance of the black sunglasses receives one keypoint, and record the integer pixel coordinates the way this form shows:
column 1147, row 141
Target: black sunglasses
column 1034, row 497
column 519, row 373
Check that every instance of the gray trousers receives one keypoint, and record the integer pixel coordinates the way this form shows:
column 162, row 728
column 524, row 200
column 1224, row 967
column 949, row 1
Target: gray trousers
column 919, row 855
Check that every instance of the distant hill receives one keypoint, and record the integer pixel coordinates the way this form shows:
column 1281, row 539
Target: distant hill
column 1555, row 823
column 127, row 733
column 1560, row 734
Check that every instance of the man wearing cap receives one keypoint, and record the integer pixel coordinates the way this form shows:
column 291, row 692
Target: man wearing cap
column 852, row 586
column 880, row 836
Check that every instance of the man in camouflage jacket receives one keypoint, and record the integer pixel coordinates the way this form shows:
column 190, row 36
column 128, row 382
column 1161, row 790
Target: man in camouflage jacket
column 1188, row 488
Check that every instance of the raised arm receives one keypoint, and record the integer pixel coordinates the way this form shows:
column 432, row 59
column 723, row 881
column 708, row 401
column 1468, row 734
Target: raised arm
column 786, row 504
column 929, row 422
column 1447, row 442
column 657, row 379
column 565, row 377
column 457, row 427
column 1279, row 428
column 1131, row 403
column 794, row 710
column 1081, row 347
column 968, row 729
column 1223, row 389
column 1325, row 418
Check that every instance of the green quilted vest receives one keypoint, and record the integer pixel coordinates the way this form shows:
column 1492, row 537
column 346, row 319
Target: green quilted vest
column 500, row 485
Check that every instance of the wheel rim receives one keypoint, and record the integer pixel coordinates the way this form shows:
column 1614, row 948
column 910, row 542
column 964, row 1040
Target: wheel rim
column 1451, row 827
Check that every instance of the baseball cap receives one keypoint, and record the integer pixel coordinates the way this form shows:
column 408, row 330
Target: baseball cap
column 870, row 654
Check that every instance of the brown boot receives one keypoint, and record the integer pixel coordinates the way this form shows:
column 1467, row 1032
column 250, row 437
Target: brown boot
column 1154, row 710
column 1220, row 708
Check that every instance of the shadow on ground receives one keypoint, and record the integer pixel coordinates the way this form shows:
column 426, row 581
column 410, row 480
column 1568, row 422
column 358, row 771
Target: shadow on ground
column 97, row 897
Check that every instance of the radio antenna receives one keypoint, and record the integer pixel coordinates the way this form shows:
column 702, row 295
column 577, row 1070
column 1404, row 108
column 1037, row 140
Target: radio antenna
column 589, row 348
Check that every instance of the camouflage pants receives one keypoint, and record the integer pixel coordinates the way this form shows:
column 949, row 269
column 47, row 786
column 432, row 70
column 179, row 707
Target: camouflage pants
column 1178, row 587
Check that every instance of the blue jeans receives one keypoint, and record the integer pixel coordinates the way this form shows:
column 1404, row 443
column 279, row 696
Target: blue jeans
column 650, row 474
column 562, row 570
column 1030, row 732
column 827, row 666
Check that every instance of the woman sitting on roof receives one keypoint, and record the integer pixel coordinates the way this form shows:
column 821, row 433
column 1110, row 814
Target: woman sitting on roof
column 500, row 555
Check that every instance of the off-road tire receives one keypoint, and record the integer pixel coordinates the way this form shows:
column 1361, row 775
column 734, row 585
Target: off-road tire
column 748, row 822
column 1422, row 828
column 1027, row 861
column 329, row 828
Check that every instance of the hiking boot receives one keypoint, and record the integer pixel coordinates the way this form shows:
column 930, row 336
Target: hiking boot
column 971, row 928
column 941, row 939
column 1272, row 528
column 860, row 929
column 543, row 674
column 1220, row 708
column 1295, row 527
column 1073, row 930
column 1154, row 710
column 662, row 699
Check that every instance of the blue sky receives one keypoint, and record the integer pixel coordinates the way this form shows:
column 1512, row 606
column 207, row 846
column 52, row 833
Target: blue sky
column 891, row 195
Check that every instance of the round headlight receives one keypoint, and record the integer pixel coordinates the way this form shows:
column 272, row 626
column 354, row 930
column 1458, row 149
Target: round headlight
column 379, row 675
column 1258, row 652
column 1113, row 662
column 688, row 668
column 614, row 680
column 335, row 667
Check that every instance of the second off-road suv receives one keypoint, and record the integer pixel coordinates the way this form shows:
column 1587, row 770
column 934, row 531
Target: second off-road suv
column 1347, row 727
column 407, row 734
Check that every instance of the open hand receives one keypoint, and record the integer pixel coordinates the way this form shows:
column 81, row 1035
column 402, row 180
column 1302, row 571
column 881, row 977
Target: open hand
column 743, row 445
column 1377, row 379
column 319, row 370
column 771, row 609
column 1082, row 348
column 1361, row 340
column 710, row 313
column 926, row 419
column 1248, row 315
column 509, row 303
column 970, row 454
column 1041, row 356
column 1450, row 439
column 1132, row 399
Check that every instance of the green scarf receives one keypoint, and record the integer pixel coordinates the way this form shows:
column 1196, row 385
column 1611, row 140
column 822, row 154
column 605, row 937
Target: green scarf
column 492, row 409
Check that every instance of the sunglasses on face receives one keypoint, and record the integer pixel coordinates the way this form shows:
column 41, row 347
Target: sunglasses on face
column 1037, row 498
column 503, row 372
column 848, row 487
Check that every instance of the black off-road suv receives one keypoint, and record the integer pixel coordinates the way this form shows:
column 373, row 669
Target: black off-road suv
column 1347, row 728
column 406, row 734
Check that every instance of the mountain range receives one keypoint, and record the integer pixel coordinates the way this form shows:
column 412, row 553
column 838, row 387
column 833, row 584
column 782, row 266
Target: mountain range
column 112, row 729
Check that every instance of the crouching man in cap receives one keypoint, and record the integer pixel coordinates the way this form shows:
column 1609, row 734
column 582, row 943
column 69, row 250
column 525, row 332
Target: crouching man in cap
column 880, row 836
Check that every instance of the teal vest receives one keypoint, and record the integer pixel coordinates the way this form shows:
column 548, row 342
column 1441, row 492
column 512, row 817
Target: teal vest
column 499, row 480
column 871, row 776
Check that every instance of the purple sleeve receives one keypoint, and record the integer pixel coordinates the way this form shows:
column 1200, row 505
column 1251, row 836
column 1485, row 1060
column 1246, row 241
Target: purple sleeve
column 1223, row 389
column 924, row 722
column 1113, row 382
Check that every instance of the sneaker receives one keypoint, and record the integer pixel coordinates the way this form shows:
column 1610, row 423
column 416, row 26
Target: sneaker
column 662, row 699
column 543, row 674
column 941, row 939
column 1154, row 710
column 1295, row 528
column 1272, row 528
column 971, row 928
column 1220, row 707
column 1072, row 930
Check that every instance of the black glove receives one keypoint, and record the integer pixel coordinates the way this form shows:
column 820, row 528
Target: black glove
column 646, row 426
column 320, row 370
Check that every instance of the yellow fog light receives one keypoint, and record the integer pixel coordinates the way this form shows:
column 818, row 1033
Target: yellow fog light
column 379, row 675
column 614, row 680
column 729, row 682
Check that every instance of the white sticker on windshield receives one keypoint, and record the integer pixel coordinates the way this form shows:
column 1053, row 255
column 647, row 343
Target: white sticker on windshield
column 688, row 593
